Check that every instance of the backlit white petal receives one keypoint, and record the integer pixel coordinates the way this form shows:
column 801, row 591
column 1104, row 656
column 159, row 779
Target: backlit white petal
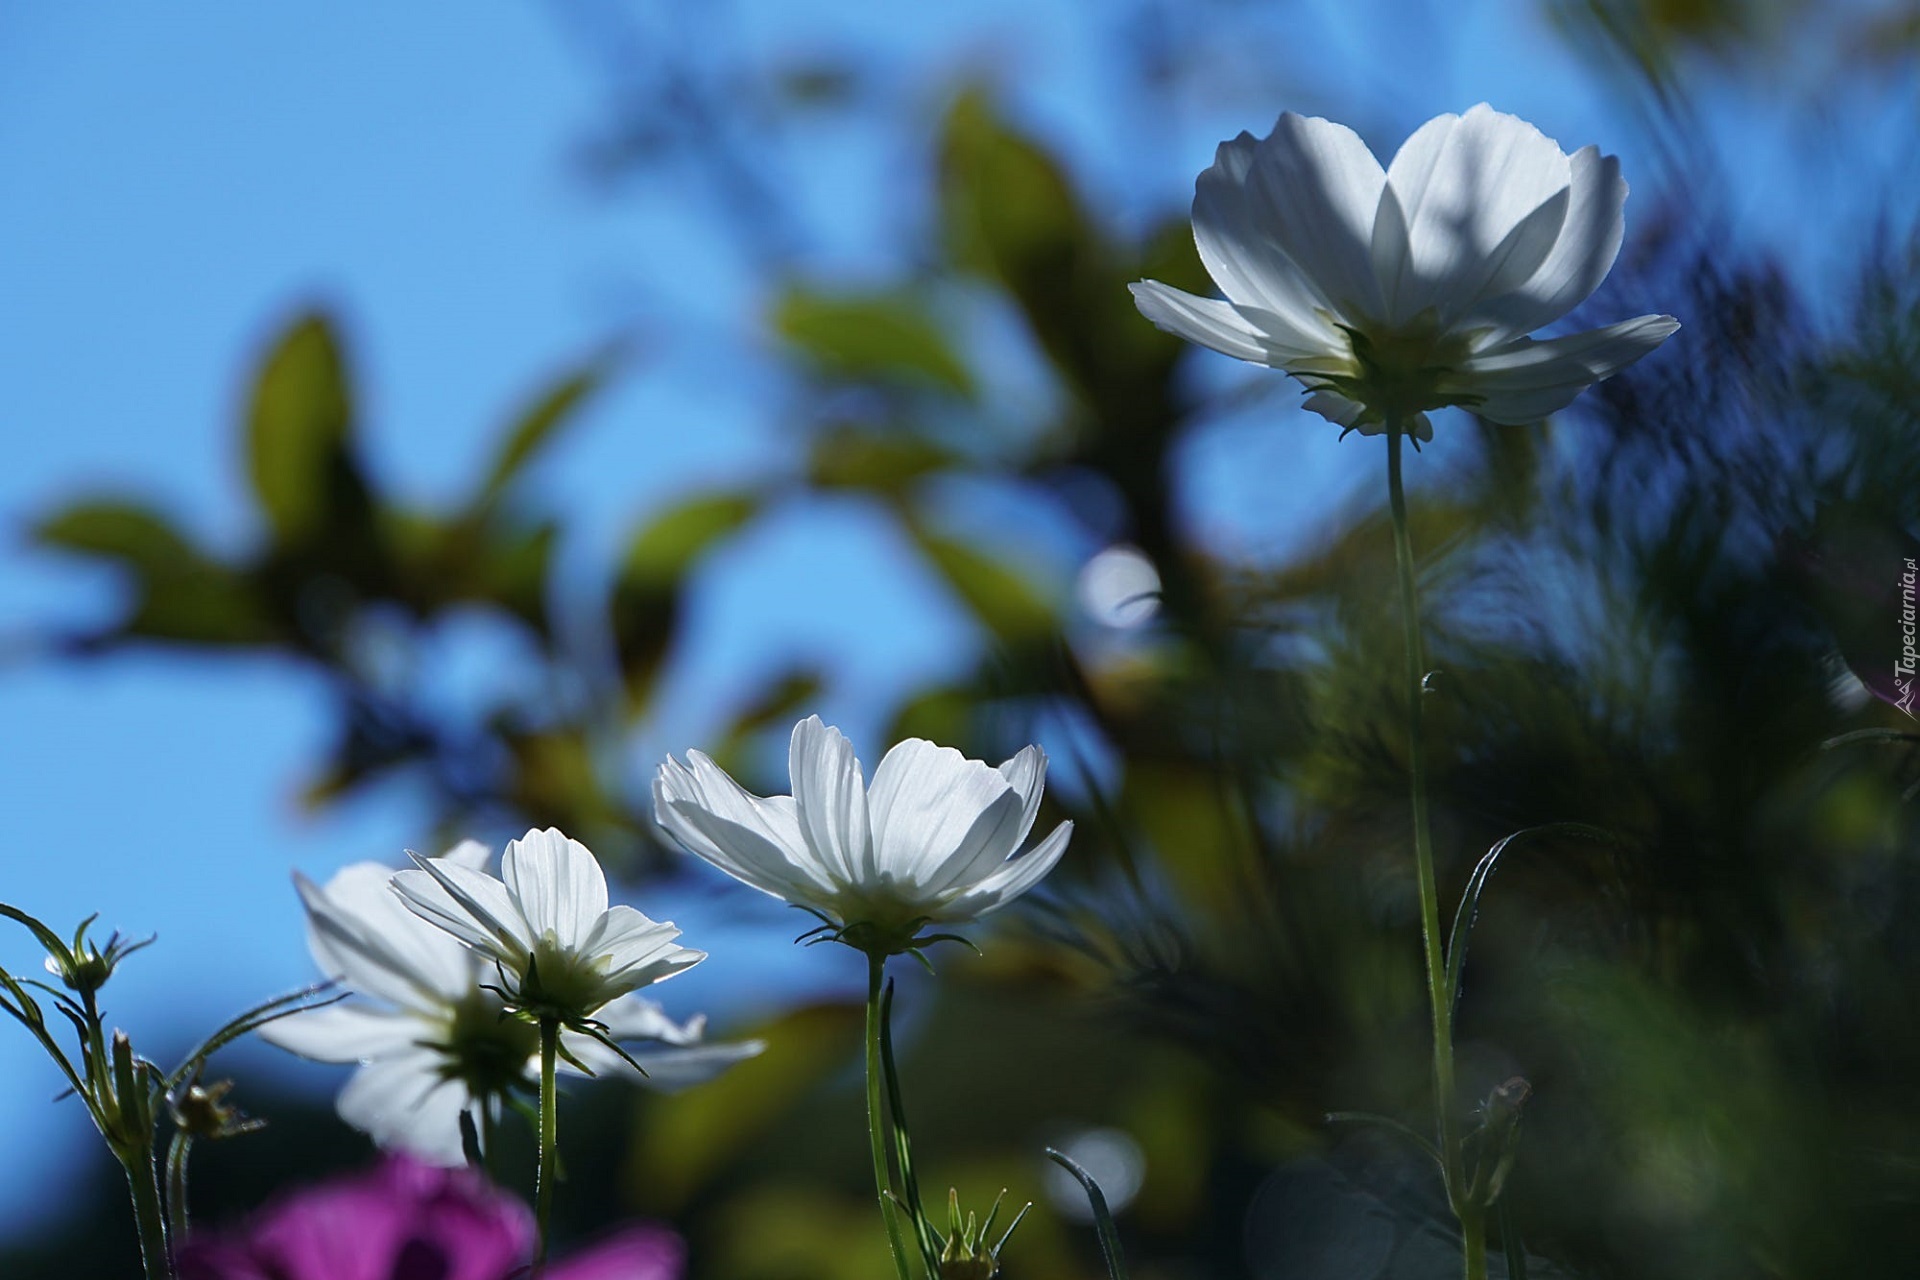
column 1246, row 262
column 470, row 854
column 1026, row 773
column 1484, row 197
column 472, row 906
column 403, row 1103
column 1525, row 381
column 831, row 799
column 742, row 852
column 637, row 1018
column 1585, row 252
column 993, row 838
column 1316, row 191
column 345, row 1032
column 753, row 839
column 1011, row 880
column 557, row 883
column 926, row 801
column 1211, row 323
column 363, row 935
column 670, row 1069
column 646, row 965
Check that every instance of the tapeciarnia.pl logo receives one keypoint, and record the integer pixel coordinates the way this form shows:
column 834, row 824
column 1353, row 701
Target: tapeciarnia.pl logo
column 1905, row 664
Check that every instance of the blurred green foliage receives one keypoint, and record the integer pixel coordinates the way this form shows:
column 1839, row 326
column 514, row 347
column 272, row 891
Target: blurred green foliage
column 1719, row 1014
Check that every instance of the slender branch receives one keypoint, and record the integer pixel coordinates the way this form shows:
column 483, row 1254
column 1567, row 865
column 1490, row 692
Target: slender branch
column 549, row 1139
column 876, row 1119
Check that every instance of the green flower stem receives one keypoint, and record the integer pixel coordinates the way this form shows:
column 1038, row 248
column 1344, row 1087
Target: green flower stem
column 489, row 1139
column 903, row 1143
column 143, row 1182
column 1473, row 1230
column 177, row 1149
column 876, row 1118
column 549, row 1139
column 1473, row 1243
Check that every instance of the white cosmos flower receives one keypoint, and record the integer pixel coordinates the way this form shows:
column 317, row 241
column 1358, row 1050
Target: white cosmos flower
column 932, row 842
column 1390, row 292
column 430, row 1038
column 562, row 951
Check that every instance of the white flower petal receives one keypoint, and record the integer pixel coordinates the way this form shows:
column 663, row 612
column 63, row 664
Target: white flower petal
column 754, row 840
column 557, row 883
column 1316, row 190
column 1026, row 773
column 361, row 934
column 640, row 966
column 624, row 937
column 926, row 802
column 670, row 1069
column 1585, row 252
column 470, row 854
column 994, row 837
column 1010, row 881
column 1246, row 262
column 1207, row 321
column 1526, row 380
column 473, row 907
column 1335, row 408
column 831, row 799
column 403, row 1103
column 1484, row 197
column 345, row 1033
column 638, row 1018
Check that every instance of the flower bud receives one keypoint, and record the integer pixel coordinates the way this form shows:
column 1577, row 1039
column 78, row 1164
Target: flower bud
column 84, row 967
column 202, row 1111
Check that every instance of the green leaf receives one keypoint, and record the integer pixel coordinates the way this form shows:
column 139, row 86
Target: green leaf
column 1009, row 209
column 119, row 530
column 180, row 593
column 1102, row 1216
column 646, row 595
column 880, row 337
column 299, row 429
column 1469, row 908
column 556, row 407
column 1005, row 602
column 882, row 462
column 667, row 547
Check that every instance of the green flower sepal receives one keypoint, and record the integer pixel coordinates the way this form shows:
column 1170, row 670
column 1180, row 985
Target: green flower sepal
column 877, row 939
column 964, row 1251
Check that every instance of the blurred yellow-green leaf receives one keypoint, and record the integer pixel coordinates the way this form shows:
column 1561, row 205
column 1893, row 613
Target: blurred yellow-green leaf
column 299, row 428
column 883, row 337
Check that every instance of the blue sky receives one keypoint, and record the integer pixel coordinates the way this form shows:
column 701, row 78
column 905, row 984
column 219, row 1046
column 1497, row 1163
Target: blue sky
column 175, row 181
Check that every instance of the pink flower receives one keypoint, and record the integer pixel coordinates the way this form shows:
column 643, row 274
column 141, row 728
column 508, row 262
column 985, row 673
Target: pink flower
column 405, row 1220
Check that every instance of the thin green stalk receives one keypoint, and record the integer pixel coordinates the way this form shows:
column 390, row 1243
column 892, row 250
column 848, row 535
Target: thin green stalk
column 1473, row 1244
column 143, row 1182
column 489, row 1139
column 903, row 1143
column 177, row 1149
column 1473, row 1231
column 549, row 1139
column 876, row 1119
